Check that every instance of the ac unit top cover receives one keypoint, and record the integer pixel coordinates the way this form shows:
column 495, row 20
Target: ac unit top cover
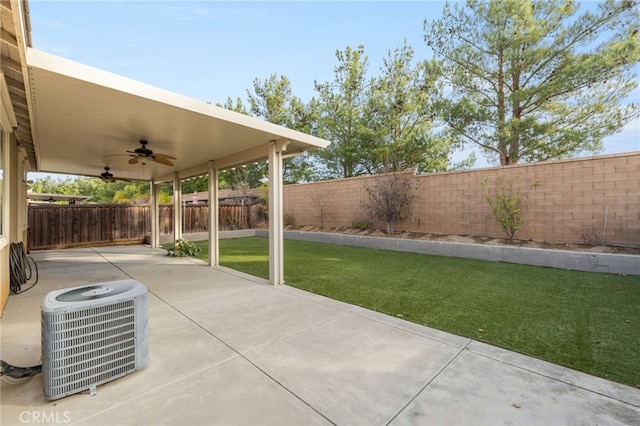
column 92, row 295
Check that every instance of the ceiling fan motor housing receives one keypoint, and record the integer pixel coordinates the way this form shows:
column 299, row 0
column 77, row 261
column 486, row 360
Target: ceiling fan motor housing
column 106, row 174
column 144, row 151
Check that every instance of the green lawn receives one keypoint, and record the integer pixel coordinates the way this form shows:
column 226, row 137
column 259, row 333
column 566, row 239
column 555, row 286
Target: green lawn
column 586, row 321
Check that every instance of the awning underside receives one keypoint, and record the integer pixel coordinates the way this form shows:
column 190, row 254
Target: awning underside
column 87, row 119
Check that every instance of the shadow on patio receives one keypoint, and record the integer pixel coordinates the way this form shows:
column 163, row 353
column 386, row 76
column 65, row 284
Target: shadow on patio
column 226, row 348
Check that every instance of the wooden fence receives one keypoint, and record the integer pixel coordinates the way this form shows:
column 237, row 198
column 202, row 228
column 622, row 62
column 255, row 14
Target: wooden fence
column 57, row 226
column 61, row 226
column 196, row 218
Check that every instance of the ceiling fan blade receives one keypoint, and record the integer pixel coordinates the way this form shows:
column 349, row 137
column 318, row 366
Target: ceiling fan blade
column 164, row 156
column 144, row 152
column 161, row 160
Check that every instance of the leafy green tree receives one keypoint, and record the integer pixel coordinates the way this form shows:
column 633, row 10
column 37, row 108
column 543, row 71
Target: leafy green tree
column 49, row 185
column 165, row 193
column 273, row 101
column 401, row 117
column 252, row 174
column 99, row 191
column 237, row 106
column 339, row 112
column 535, row 80
column 244, row 177
column 196, row 184
column 132, row 193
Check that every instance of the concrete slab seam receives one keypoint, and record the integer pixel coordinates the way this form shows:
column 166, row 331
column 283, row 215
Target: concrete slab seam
column 113, row 264
column 244, row 357
column 170, row 383
column 242, row 275
column 293, row 333
column 538, row 373
column 217, row 295
column 428, row 383
column 314, row 300
column 413, row 332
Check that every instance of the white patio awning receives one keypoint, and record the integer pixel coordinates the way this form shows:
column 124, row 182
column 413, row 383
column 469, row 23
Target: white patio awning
column 84, row 119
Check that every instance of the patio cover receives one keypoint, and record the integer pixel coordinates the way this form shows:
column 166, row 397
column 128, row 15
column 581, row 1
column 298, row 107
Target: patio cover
column 86, row 119
column 76, row 119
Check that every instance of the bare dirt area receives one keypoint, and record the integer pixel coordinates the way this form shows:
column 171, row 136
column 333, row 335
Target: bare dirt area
column 472, row 240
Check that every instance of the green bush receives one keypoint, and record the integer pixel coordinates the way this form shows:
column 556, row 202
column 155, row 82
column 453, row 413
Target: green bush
column 288, row 220
column 361, row 224
column 505, row 201
column 183, row 248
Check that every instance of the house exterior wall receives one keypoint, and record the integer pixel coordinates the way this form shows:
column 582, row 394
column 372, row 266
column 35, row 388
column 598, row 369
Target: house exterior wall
column 6, row 122
column 5, row 222
column 583, row 200
column 13, row 207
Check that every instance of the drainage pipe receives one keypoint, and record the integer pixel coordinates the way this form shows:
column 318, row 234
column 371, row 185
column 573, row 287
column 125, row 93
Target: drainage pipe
column 19, row 372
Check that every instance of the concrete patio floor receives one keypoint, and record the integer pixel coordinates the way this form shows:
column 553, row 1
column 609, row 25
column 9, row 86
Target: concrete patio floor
column 228, row 349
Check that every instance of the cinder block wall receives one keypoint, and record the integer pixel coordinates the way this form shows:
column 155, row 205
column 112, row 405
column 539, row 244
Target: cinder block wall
column 585, row 200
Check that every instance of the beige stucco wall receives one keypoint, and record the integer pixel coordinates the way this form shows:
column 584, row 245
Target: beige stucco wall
column 581, row 200
column 6, row 122
column 14, row 207
column 4, row 274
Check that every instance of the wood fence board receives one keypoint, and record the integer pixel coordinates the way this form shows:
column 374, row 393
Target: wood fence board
column 59, row 226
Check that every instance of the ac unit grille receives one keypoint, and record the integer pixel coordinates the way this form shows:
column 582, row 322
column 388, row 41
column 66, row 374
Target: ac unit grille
column 72, row 383
column 67, row 365
column 101, row 349
column 92, row 345
column 67, row 321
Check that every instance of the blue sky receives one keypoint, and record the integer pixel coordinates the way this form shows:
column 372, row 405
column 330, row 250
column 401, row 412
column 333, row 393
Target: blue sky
column 212, row 50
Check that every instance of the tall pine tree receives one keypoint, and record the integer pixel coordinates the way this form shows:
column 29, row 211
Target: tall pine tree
column 537, row 80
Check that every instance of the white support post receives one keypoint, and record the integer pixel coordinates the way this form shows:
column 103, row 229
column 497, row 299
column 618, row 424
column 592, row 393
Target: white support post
column 155, row 215
column 276, row 233
column 177, row 207
column 214, row 235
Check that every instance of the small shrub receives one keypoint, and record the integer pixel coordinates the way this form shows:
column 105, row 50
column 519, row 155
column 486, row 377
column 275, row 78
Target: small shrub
column 288, row 219
column 361, row 224
column 320, row 206
column 183, row 248
column 505, row 202
column 390, row 199
column 590, row 236
column 263, row 192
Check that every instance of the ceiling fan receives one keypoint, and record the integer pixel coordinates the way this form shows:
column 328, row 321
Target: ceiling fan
column 144, row 152
column 108, row 177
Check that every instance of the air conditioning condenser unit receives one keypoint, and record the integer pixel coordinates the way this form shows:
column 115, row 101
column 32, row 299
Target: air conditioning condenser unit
column 93, row 334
